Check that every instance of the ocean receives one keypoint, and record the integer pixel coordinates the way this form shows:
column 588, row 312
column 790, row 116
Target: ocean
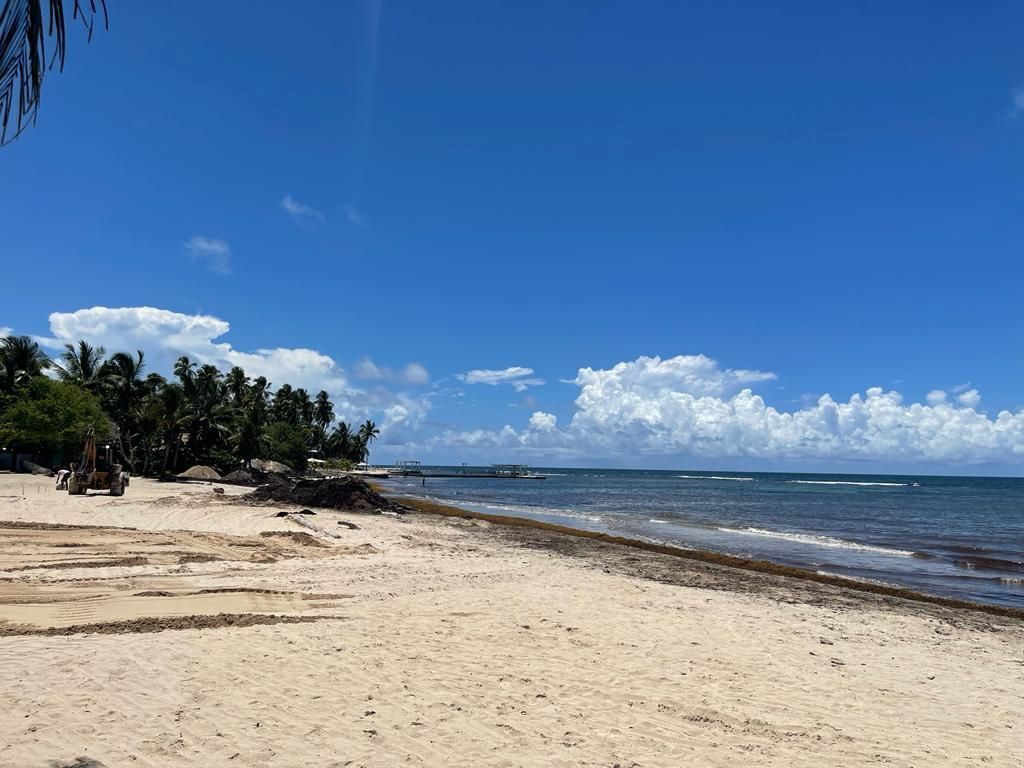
column 959, row 537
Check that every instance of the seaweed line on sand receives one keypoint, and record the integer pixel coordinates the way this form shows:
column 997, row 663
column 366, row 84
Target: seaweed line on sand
column 161, row 624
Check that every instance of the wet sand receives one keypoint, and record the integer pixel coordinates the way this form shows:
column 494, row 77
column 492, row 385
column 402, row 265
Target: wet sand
column 170, row 631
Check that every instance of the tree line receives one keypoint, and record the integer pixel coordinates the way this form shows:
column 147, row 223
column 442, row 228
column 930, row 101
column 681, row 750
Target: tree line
column 162, row 425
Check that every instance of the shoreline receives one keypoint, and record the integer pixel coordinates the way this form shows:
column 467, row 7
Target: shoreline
column 708, row 557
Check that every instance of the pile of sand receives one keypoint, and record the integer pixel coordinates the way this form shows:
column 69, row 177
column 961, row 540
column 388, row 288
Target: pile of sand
column 199, row 472
column 346, row 493
column 35, row 469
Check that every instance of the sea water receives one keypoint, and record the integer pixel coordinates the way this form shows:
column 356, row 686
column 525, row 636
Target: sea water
column 959, row 537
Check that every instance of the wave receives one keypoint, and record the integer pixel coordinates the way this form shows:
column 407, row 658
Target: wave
column 528, row 510
column 862, row 579
column 850, row 482
column 656, row 520
column 990, row 563
column 713, row 477
column 820, row 541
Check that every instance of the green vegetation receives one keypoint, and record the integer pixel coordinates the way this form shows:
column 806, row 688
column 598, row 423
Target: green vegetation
column 50, row 416
column 160, row 425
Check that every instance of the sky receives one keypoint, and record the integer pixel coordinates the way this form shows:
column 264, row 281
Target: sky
column 697, row 235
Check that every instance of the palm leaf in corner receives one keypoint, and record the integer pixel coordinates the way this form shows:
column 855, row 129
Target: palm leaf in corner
column 23, row 60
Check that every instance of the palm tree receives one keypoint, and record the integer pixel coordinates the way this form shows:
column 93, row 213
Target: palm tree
column 256, row 400
column 303, row 407
column 367, row 434
column 173, row 419
column 245, row 439
column 339, row 442
column 237, row 383
column 184, row 369
column 124, row 389
column 323, row 410
column 283, row 406
column 23, row 57
column 82, row 365
column 21, row 360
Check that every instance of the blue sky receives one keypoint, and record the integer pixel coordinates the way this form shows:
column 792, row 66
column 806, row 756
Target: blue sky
column 829, row 194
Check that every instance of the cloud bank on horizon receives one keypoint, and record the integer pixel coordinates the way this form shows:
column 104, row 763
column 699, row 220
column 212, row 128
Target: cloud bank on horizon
column 688, row 405
column 685, row 406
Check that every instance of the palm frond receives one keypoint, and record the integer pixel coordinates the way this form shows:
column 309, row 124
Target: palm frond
column 23, row 62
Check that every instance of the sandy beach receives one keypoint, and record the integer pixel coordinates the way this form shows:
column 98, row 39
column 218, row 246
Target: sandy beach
column 176, row 626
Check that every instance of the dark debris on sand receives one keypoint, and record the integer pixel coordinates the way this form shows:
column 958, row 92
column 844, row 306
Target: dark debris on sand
column 349, row 494
column 250, row 477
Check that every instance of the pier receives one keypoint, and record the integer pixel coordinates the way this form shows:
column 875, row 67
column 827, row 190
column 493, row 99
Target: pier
column 494, row 472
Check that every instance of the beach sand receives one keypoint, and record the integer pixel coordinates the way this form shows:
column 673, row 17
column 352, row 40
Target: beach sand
column 171, row 631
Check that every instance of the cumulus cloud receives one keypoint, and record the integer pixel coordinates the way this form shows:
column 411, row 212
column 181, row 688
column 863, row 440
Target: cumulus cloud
column 970, row 399
column 935, row 397
column 214, row 253
column 413, row 373
column 542, row 421
column 517, row 376
column 165, row 335
column 5, row 331
column 690, row 406
column 301, row 213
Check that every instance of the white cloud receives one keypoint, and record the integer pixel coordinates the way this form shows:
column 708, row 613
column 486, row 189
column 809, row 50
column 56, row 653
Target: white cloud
column 214, row 253
column 936, row 397
column 970, row 399
column 689, row 406
column 165, row 335
column 413, row 373
column 542, row 421
column 300, row 212
column 367, row 369
column 355, row 216
column 519, row 377
column 5, row 331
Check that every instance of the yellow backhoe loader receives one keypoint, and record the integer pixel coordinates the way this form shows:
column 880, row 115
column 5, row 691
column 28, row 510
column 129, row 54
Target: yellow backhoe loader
column 101, row 475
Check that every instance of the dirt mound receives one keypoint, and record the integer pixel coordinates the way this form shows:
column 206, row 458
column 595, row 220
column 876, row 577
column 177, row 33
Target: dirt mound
column 35, row 469
column 199, row 472
column 273, row 466
column 346, row 493
column 250, row 477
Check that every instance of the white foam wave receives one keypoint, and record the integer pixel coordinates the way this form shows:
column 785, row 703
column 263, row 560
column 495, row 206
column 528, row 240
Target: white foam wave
column 714, row 477
column 847, row 482
column 656, row 520
column 820, row 541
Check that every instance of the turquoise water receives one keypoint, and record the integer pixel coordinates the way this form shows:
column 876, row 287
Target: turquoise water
column 958, row 537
